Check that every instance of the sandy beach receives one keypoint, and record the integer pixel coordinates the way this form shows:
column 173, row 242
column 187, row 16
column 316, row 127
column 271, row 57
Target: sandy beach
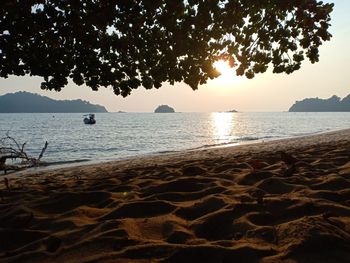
column 277, row 201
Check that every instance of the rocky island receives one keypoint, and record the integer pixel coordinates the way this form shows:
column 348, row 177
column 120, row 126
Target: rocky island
column 164, row 109
column 334, row 103
column 26, row 102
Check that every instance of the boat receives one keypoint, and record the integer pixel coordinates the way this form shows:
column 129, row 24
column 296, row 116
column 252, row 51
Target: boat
column 89, row 119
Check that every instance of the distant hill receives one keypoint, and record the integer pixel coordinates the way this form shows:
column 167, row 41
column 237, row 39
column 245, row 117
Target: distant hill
column 22, row 102
column 334, row 103
column 164, row 109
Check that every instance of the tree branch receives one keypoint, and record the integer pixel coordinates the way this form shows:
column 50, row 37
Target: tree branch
column 11, row 149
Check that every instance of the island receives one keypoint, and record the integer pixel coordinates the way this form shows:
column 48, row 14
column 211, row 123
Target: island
column 26, row 102
column 333, row 104
column 164, row 109
column 231, row 111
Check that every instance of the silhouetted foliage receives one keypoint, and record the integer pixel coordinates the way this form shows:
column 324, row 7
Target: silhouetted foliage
column 28, row 102
column 126, row 44
column 334, row 103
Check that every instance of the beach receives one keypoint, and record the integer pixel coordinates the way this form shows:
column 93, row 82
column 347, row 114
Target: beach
column 277, row 201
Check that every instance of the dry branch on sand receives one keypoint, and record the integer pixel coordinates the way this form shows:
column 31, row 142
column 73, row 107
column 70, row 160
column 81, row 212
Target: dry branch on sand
column 11, row 149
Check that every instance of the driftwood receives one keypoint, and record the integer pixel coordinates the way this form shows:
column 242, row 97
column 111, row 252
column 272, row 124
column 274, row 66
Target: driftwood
column 11, row 149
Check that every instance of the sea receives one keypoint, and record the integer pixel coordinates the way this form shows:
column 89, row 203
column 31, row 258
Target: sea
column 127, row 135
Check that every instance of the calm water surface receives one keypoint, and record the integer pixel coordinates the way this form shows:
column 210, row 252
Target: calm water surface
column 121, row 135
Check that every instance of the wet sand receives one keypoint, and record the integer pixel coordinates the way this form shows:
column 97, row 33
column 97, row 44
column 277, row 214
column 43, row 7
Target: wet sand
column 279, row 201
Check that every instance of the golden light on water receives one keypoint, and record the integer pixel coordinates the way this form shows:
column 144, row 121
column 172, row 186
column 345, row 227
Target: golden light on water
column 222, row 124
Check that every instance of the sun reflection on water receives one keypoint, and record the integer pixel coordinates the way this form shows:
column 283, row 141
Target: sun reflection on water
column 222, row 125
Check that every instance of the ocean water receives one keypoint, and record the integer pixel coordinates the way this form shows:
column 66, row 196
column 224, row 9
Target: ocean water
column 124, row 135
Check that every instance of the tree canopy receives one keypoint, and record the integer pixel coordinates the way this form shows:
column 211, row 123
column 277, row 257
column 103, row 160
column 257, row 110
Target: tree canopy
column 126, row 44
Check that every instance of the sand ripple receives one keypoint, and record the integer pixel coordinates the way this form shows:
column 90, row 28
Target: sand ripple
column 222, row 205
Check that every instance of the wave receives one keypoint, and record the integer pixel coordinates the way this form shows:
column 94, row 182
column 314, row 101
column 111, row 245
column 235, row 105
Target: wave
column 45, row 164
column 237, row 141
column 165, row 152
column 311, row 133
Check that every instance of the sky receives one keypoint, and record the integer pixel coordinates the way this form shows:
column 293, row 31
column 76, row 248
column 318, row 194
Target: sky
column 267, row 92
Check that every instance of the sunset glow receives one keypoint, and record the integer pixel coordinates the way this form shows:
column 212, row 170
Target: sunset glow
column 223, row 67
column 228, row 75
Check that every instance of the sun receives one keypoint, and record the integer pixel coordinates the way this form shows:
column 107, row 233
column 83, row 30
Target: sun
column 228, row 74
column 223, row 67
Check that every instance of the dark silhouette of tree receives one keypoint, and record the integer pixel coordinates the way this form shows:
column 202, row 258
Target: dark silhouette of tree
column 131, row 43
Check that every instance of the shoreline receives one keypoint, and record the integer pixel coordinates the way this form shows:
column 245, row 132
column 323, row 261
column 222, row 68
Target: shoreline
column 98, row 144
column 272, row 202
column 324, row 136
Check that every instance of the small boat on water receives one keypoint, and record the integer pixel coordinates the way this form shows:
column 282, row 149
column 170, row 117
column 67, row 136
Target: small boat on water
column 89, row 119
